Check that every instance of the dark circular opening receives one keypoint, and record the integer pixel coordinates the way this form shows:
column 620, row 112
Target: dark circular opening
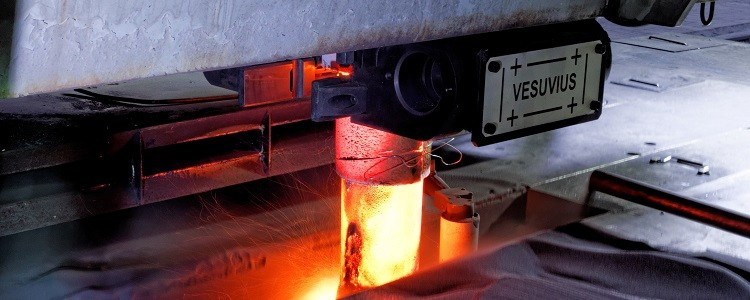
column 342, row 101
column 421, row 82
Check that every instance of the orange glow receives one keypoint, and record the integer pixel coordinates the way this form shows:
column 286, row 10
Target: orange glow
column 324, row 289
column 380, row 230
column 335, row 70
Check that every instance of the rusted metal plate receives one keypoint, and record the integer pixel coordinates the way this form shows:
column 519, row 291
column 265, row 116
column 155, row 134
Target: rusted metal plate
column 70, row 44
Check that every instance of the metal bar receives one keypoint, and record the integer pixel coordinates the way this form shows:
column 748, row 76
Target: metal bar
column 247, row 119
column 299, row 78
column 667, row 40
column 208, row 127
column 667, row 201
column 290, row 154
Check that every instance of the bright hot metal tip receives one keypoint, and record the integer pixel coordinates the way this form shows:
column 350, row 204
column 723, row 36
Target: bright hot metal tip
column 381, row 204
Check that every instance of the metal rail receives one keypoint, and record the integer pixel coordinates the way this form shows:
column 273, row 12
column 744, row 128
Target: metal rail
column 667, row 201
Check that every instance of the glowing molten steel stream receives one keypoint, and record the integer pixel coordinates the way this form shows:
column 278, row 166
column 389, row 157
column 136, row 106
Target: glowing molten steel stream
column 381, row 204
column 380, row 232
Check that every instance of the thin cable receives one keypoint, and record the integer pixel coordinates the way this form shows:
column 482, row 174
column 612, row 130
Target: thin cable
column 460, row 154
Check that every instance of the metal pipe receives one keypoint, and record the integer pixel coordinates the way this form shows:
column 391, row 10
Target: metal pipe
column 664, row 200
column 459, row 222
column 458, row 237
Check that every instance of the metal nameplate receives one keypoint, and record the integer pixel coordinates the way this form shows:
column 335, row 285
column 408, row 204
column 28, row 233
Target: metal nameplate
column 538, row 87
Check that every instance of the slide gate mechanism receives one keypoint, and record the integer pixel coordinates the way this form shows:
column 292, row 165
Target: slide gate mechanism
column 499, row 85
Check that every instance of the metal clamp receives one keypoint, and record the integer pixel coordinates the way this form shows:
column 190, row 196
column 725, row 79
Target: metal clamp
column 335, row 97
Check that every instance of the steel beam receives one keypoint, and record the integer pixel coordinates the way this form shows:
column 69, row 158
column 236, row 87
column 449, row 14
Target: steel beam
column 59, row 45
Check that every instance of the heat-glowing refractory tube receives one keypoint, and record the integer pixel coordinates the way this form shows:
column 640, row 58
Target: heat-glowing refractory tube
column 381, row 204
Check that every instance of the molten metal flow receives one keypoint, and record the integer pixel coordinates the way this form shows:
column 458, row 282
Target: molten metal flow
column 380, row 232
column 381, row 204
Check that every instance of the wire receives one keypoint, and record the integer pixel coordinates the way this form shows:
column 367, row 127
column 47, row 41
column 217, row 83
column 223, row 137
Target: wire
column 460, row 154
column 407, row 162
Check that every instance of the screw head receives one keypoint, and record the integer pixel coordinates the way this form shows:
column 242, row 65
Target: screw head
column 490, row 128
column 494, row 67
column 388, row 76
column 600, row 48
column 595, row 105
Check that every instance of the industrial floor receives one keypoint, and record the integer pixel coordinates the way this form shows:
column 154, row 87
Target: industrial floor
column 279, row 238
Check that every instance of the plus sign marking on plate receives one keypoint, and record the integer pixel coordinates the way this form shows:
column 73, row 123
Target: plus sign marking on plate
column 515, row 68
column 576, row 57
column 512, row 117
column 572, row 104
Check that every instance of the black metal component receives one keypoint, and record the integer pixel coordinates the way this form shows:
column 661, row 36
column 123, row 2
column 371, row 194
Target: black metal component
column 654, row 84
column 688, row 162
column 707, row 20
column 232, row 79
column 434, row 88
column 227, row 78
column 660, row 160
column 411, row 89
column 595, row 105
column 166, row 161
column 265, row 143
column 490, row 128
column 134, row 150
column 703, row 169
column 600, row 49
column 335, row 97
column 667, row 40
column 345, row 58
column 667, row 201
column 494, row 67
column 658, row 12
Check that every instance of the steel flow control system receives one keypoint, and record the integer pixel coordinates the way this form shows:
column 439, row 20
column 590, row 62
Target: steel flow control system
column 498, row 86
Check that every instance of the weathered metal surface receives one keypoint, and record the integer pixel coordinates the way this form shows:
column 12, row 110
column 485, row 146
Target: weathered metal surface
column 69, row 44
column 63, row 199
column 704, row 122
column 291, row 154
column 155, row 163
